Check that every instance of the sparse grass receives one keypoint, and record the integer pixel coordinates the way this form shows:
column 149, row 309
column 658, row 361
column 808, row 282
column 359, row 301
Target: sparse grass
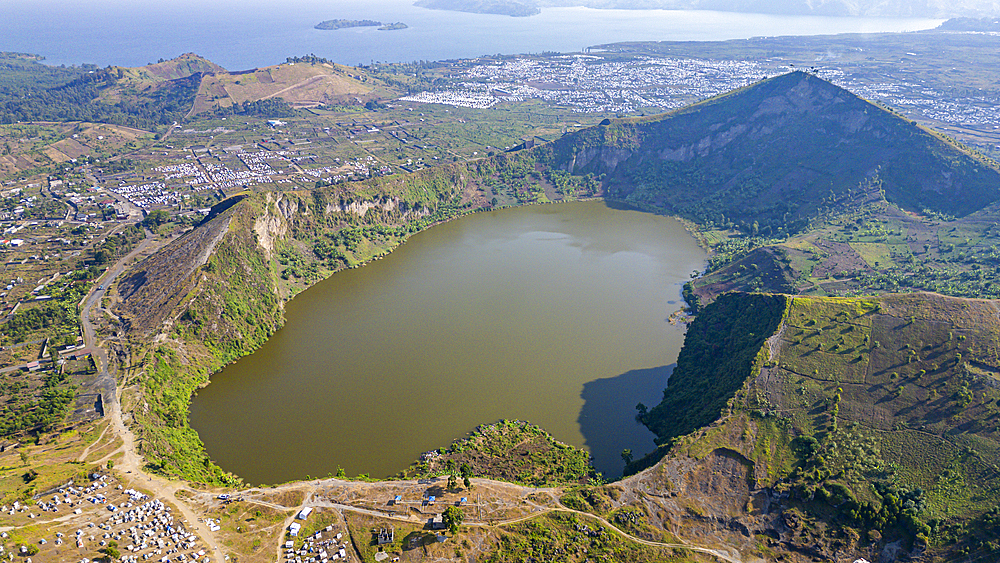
column 53, row 462
column 561, row 536
column 876, row 254
column 249, row 530
column 408, row 537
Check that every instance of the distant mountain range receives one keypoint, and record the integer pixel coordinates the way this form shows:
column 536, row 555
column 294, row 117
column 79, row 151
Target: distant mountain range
column 869, row 8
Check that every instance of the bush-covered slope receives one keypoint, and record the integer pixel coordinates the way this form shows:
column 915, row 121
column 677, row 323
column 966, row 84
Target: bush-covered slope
column 143, row 97
column 870, row 425
column 719, row 354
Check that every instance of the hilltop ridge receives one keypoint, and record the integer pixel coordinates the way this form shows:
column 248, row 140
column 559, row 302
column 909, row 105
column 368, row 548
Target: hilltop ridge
column 778, row 153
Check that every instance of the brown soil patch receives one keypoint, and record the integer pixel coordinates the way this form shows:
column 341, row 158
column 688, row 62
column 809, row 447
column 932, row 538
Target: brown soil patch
column 724, row 476
column 840, row 258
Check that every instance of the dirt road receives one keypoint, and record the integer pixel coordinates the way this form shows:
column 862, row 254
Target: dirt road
column 131, row 464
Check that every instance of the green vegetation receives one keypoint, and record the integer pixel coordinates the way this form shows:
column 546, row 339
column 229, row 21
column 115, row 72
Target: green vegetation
column 241, row 289
column 51, row 317
column 28, row 407
column 80, row 100
column 658, row 163
column 854, row 414
column 513, row 451
column 453, row 518
column 722, row 349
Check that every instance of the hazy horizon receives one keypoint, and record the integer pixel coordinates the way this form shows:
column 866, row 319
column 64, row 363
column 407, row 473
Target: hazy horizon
column 239, row 38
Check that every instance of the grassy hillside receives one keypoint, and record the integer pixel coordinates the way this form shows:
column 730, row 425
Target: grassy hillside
column 721, row 350
column 865, row 421
column 144, row 97
column 300, row 84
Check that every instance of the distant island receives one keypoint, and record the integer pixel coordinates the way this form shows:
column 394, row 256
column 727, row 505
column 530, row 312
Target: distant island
column 341, row 24
column 500, row 7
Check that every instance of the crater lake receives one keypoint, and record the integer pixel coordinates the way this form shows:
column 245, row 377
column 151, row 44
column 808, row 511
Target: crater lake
column 553, row 314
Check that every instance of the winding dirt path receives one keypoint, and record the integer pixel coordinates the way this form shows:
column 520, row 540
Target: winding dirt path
column 131, row 464
column 86, row 451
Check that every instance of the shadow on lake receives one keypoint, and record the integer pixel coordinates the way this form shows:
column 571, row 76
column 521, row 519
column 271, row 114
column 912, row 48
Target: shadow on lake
column 621, row 206
column 607, row 418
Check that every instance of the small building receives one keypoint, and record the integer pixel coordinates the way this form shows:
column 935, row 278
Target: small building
column 386, row 536
column 436, row 523
column 397, row 499
column 304, row 513
column 293, row 530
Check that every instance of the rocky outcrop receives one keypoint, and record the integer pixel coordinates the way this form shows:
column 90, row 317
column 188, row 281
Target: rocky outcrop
column 272, row 224
column 152, row 289
column 360, row 208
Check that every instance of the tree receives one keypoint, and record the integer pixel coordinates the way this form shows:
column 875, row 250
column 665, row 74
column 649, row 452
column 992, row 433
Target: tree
column 453, row 518
column 466, row 475
column 112, row 550
column 156, row 218
column 452, row 475
column 627, row 456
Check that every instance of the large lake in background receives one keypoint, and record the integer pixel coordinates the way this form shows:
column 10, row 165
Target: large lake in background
column 554, row 314
column 240, row 35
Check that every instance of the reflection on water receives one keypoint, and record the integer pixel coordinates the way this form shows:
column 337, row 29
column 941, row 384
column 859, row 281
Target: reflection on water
column 505, row 314
column 607, row 419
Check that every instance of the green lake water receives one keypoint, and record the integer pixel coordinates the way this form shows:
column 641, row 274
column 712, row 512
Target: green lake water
column 554, row 314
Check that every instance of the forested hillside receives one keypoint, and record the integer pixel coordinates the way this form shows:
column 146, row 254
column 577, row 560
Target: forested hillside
column 32, row 91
